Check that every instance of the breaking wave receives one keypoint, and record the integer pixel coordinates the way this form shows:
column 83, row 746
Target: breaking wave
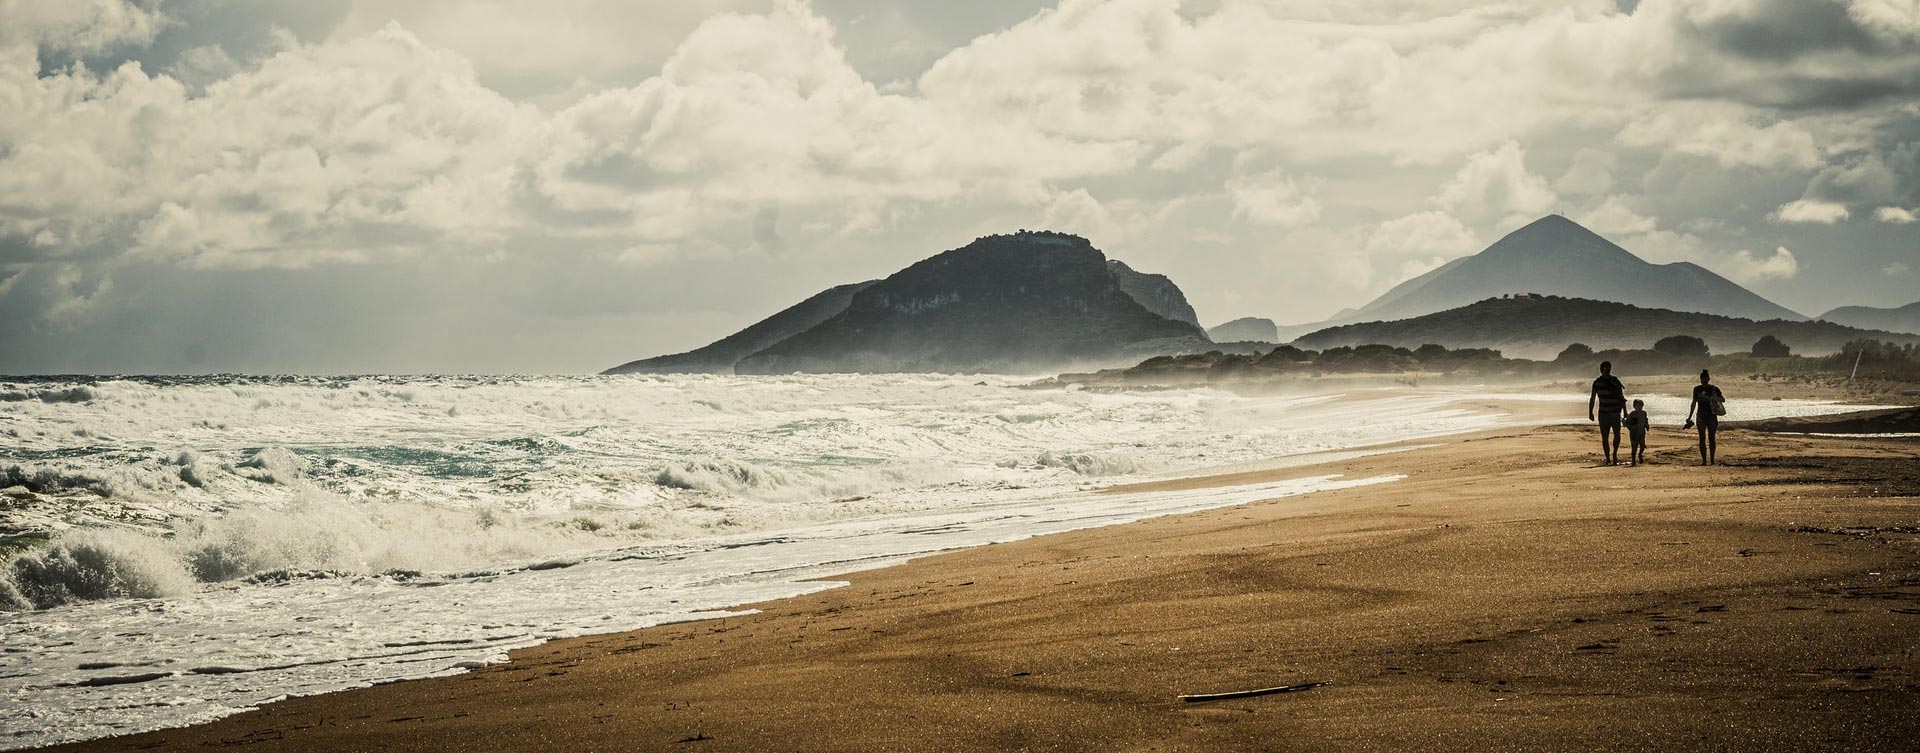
column 314, row 534
column 74, row 394
column 140, row 488
column 90, row 565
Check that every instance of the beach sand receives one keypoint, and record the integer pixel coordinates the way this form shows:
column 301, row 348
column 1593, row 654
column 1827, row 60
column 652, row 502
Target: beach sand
column 1506, row 595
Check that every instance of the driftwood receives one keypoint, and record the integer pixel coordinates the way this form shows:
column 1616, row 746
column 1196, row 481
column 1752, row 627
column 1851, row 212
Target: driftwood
column 1198, row 697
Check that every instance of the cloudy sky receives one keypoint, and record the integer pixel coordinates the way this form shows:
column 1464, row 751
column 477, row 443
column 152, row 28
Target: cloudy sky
column 497, row 185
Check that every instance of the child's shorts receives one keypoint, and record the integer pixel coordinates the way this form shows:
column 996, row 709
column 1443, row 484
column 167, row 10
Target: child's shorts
column 1637, row 436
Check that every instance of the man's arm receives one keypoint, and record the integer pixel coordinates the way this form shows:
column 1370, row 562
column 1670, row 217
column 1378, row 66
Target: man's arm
column 1593, row 393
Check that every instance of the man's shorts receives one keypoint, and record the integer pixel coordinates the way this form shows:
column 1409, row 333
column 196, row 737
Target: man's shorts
column 1708, row 419
column 1609, row 419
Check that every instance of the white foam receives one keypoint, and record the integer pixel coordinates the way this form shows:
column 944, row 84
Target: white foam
column 217, row 652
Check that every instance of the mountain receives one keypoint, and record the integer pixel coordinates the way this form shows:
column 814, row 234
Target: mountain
column 1157, row 293
column 1029, row 301
column 719, row 357
column 1245, row 329
column 1005, row 303
column 1903, row 319
column 1557, row 256
column 1532, row 326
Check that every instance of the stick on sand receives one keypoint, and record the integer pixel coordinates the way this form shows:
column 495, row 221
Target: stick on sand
column 1198, row 697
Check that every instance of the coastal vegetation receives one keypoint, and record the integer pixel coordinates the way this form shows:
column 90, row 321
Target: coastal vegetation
column 1533, row 325
column 1864, row 359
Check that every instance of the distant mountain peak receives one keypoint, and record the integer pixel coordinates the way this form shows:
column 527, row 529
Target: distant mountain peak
column 1039, row 237
column 1025, row 301
column 1540, row 326
column 1156, row 292
column 1553, row 222
column 1558, row 236
column 1899, row 319
column 1558, row 256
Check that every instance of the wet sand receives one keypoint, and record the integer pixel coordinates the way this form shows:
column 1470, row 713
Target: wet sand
column 1506, row 595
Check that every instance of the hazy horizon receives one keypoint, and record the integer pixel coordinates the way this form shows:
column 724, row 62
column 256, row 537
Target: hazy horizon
column 192, row 186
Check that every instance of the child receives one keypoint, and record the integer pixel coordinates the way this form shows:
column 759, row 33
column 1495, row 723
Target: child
column 1637, row 433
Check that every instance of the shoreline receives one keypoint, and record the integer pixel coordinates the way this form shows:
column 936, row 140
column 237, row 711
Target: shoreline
column 201, row 672
column 747, row 682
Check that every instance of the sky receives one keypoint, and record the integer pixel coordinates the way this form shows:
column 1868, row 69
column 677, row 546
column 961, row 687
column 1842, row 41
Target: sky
column 485, row 186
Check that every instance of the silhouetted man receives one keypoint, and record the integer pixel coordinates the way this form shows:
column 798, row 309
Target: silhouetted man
column 1611, row 396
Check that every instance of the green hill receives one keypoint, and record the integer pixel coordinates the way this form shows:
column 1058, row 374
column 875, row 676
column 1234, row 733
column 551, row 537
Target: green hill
column 1903, row 319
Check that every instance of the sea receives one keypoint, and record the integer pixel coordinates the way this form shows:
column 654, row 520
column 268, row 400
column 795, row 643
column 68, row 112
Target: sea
column 177, row 549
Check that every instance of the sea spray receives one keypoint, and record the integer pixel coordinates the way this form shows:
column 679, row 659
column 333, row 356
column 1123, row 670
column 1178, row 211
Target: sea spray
column 271, row 465
column 90, row 565
column 313, row 532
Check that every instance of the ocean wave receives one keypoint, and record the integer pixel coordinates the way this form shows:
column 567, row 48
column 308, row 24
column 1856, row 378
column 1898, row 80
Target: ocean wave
column 314, row 534
column 231, row 477
column 42, row 480
column 1087, row 464
column 73, row 394
column 273, row 465
column 90, row 565
column 762, row 483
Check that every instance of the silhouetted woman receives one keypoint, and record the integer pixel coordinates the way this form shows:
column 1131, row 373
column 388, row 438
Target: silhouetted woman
column 1710, row 404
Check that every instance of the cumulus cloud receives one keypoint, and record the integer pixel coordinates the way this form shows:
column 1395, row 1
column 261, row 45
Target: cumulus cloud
column 716, row 137
column 1415, row 244
column 1750, row 267
column 374, row 146
column 1894, row 20
column 760, row 110
column 1078, row 212
column 1272, row 198
column 1740, row 265
column 1616, row 216
column 1430, row 234
column 1591, row 173
column 1810, row 211
column 1423, row 91
column 63, row 295
column 1894, row 215
column 1495, row 187
column 648, row 150
column 78, row 27
column 567, row 49
column 1724, row 133
column 1862, row 179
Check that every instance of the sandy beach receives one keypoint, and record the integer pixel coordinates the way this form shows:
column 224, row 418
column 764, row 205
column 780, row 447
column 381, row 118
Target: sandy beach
column 808, row 376
column 1507, row 594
